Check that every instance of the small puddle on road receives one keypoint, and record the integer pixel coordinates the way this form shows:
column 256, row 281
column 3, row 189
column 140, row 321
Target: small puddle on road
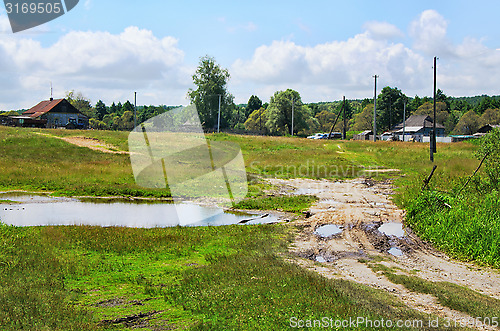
column 395, row 251
column 320, row 259
column 328, row 230
column 308, row 191
column 35, row 210
column 392, row 229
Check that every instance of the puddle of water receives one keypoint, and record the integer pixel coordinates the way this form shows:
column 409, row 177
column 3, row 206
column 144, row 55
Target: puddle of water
column 29, row 210
column 26, row 197
column 395, row 251
column 328, row 230
column 392, row 229
column 308, row 191
column 329, row 202
column 320, row 259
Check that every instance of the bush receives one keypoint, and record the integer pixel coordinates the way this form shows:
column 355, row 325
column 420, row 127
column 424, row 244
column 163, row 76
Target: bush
column 490, row 147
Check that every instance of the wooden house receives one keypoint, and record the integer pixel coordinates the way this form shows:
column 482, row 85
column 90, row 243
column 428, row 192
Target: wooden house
column 53, row 113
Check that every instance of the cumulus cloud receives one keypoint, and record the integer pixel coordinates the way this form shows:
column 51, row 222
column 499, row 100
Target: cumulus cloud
column 333, row 67
column 382, row 30
column 95, row 61
column 429, row 33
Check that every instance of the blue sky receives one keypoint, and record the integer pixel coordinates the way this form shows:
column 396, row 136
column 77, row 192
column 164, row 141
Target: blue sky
column 323, row 49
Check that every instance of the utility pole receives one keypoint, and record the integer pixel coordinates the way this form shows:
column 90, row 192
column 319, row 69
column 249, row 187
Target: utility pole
column 432, row 137
column 375, row 111
column 218, row 117
column 135, row 109
column 345, row 122
column 293, row 106
column 404, row 120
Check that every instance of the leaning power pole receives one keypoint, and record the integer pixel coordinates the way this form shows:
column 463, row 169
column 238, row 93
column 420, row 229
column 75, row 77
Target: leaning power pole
column 432, row 137
column 375, row 111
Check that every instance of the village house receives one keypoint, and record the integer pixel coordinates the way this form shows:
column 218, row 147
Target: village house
column 53, row 113
column 417, row 127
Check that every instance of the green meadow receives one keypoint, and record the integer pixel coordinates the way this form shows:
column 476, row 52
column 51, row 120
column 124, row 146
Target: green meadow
column 221, row 278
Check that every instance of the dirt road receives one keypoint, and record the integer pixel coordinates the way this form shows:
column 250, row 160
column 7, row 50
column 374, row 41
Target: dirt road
column 364, row 225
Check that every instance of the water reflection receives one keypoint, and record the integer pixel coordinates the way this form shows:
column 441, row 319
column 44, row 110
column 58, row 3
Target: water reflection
column 38, row 210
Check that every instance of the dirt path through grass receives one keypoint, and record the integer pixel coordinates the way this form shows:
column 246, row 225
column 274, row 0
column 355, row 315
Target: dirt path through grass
column 362, row 210
column 92, row 143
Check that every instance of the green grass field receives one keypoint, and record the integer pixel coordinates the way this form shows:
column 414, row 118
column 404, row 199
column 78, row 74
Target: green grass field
column 209, row 278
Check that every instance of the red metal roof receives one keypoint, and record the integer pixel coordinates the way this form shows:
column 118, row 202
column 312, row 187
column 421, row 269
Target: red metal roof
column 42, row 108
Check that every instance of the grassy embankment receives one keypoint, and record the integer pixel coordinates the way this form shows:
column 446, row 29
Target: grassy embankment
column 209, row 278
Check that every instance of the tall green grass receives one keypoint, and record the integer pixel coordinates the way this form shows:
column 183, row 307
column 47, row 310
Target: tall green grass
column 216, row 278
column 464, row 220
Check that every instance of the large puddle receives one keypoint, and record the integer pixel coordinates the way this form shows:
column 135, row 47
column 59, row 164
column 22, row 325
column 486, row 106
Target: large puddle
column 39, row 210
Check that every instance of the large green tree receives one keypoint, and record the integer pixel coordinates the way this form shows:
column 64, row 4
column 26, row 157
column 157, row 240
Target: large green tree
column 279, row 113
column 468, row 123
column 364, row 120
column 211, row 86
column 254, row 103
column 390, row 104
column 256, row 122
column 101, row 110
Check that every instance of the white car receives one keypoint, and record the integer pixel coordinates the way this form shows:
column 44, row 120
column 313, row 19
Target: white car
column 318, row 136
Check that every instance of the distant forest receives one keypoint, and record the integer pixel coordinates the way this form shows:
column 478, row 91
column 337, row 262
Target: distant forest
column 459, row 115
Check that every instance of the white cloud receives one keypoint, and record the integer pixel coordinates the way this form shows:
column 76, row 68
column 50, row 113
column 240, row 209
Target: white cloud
column 329, row 70
column 382, row 30
column 338, row 67
column 429, row 33
column 97, row 63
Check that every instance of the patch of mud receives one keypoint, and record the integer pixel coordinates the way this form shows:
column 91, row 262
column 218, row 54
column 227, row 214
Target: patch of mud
column 373, row 229
column 134, row 321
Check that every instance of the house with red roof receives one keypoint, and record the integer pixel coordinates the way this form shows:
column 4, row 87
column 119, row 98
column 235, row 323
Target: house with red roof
column 53, row 113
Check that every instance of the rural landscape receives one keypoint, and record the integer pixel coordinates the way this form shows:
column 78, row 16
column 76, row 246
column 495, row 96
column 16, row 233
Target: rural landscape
column 250, row 166
column 363, row 231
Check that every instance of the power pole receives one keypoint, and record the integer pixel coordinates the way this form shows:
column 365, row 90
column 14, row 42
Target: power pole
column 135, row 109
column 218, row 117
column 404, row 120
column 293, row 106
column 375, row 111
column 432, row 137
column 345, row 122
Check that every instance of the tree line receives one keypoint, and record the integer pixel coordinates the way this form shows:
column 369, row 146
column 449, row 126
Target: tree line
column 462, row 115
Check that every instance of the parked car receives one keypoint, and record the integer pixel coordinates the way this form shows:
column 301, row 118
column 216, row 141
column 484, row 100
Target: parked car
column 318, row 136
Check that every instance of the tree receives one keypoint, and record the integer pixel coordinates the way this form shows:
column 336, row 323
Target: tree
column 279, row 113
column 101, row 110
column 364, row 120
column 211, row 80
column 254, row 103
column 428, row 109
column 490, row 116
column 390, row 103
column 81, row 103
column 325, row 120
column 256, row 122
column 487, row 102
column 468, row 124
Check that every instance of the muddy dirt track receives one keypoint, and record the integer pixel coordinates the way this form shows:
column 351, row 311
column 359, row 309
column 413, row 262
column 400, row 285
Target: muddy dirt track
column 362, row 224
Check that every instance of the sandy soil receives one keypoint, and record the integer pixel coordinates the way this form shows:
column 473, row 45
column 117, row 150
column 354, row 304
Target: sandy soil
column 360, row 208
column 91, row 143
